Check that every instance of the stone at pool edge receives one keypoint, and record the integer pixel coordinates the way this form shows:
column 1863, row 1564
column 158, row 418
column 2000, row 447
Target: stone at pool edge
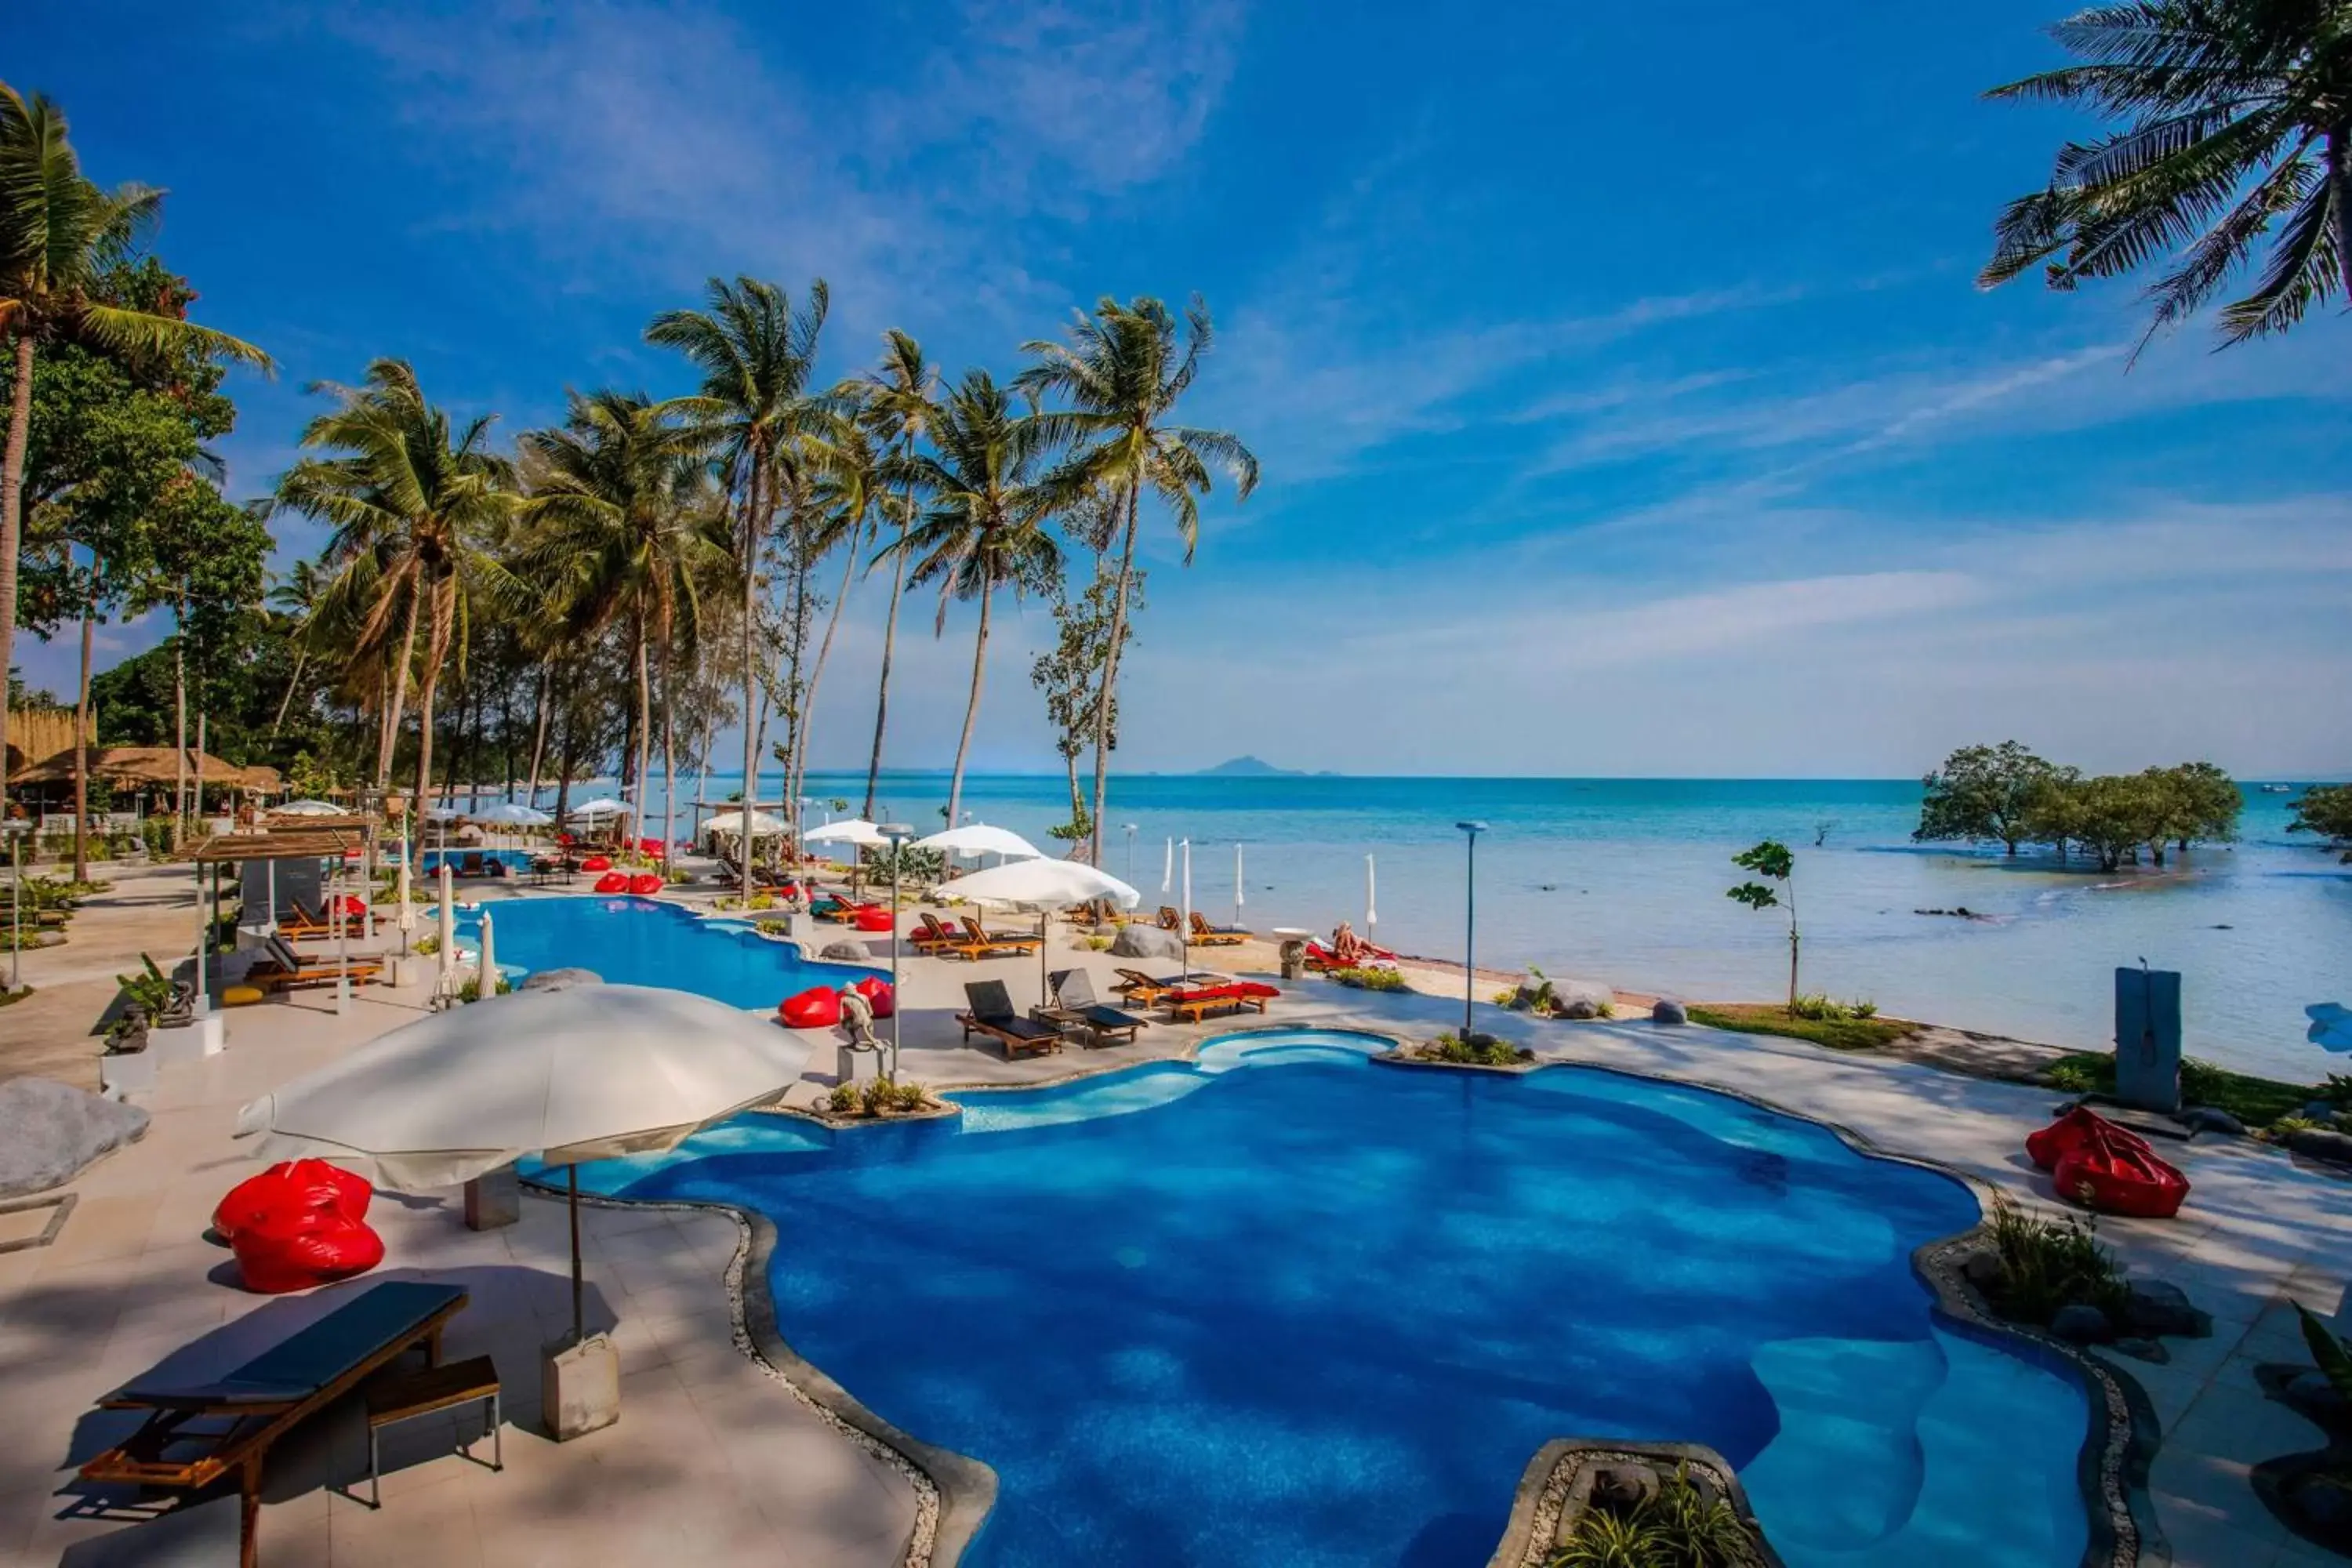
column 560, row 979
column 847, row 952
column 2082, row 1324
column 1669, row 1013
column 2158, row 1308
column 51, row 1131
column 2210, row 1118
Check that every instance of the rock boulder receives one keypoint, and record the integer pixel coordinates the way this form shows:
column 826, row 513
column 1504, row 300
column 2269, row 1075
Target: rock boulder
column 1138, row 941
column 2322, row 1144
column 2157, row 1308
column 1580, row 1009
column 2211, row 1119
column 846, row 952
column 50, row 1130
column 1669, row 1013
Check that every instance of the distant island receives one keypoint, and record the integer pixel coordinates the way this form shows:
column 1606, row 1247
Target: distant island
column 1248, row 768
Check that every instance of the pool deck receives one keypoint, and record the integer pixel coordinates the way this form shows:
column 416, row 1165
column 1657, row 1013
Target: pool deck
column 714, row 1462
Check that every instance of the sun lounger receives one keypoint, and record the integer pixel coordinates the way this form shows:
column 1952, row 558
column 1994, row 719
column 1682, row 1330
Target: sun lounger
column 1145, row 990
column 991, row 1014
column 1074, row 992
column 284, row 969
column 980, row 943
column 1197, row 1003
column 1204, row 934
column 198, row 1435
column 1169, row 920
column 929, row 936
column 308, row 923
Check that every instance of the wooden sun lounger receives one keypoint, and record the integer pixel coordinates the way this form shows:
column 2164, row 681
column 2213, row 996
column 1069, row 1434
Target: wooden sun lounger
column 1074, row 991
column 198, row 1435
column 1192, row 1006
column 1206, row 935
column 309, row 923
column 991, row 1014
column 1145, row 990
column 284, row 969
column 979, row 943
column 930, row 936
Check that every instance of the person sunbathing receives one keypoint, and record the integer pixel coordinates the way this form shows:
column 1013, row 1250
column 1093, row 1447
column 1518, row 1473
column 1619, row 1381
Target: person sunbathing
column 1347, row 946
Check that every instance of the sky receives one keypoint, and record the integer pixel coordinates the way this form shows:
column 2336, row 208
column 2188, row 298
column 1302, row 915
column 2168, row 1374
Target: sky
column 1625, row 401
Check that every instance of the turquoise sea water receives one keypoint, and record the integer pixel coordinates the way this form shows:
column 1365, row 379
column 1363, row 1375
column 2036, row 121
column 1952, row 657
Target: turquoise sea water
column 1282, row 1305
column 1623, row 879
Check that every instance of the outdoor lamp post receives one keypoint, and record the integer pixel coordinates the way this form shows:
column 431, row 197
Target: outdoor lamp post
column 1131, row 853
column 897, row 833
column 18, row 830
column 1470, row 924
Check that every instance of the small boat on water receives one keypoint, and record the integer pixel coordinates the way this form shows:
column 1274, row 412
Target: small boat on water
column 2278, row 789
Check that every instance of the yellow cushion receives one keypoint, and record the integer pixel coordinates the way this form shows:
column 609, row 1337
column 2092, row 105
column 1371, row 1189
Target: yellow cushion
column 240, row 995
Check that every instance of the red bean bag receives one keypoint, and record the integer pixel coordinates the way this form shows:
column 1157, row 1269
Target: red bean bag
column 613, row 882
column 596, row 863
column 354, row 909
column 818, row 1007
column 303, row 1183
column 565, row 840
column 649, row 847
column 879, row 993
column 644, row 884
column 298, row 1225
column 2071, row 1131
column 872, row 918
column 2109, row 1175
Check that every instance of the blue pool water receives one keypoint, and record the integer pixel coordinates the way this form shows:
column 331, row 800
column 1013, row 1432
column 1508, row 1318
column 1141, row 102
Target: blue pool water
column 641, row 941
column 515, row 860
column 1283, row 1305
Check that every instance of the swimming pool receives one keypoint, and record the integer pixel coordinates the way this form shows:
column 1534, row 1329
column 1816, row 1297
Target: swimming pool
column 1282, row 1305
column 643, row 941
column 516, row 861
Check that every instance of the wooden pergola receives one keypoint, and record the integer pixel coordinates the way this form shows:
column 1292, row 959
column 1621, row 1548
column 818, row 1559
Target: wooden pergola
column 312, row 841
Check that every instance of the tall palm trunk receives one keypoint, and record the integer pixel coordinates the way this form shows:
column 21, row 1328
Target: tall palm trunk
column 390, row 738
column 81, row 759
column 1103, row 699
column 541, row 703
column 645, row 727
column 754, row 485
column 180, row 723
column 795, row 703
column 825, row 648
column 437, row 649
column 972, row 709
column 12, row 503
column 889, row 643
column 278, row 721
column 669, row 762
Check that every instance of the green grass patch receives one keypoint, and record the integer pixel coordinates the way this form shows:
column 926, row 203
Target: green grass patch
column 1847, row 1034
column 2256, row 1101
column 7, row 996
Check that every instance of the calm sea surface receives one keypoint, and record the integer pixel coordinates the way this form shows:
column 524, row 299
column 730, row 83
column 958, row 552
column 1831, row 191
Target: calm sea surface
column 1623, row 879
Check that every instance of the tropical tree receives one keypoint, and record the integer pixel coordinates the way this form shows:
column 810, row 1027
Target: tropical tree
column 297, row 594
column 1122, row 374
column 981, row 528
column 60, row 236
column 852, row 474
column 2326, row 810
column 627, row 532
column 411, row 497
column 897, row 400
column 1772, row 859
column 1984, row 793
column 757, row 355
column 2232, row 140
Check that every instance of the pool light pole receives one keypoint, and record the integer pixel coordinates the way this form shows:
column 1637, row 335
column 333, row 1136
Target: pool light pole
column 1131, row 853
column 1470, row 924
column 17, row 829
column 897, row 833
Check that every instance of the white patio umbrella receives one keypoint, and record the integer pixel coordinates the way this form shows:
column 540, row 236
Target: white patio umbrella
column 448, row 954
column 1237, row 884
column 308, row 808
column 1040, row 887
column 855, row 831
column 1184, row 917
column 731, row 823
column 583, row 1073
column 1168, row 869
column 441, row 814
column 510, row 813
column 602, row 806
column 401, row 890
column 486, row 975
column 980, row 838
column 1371, row 915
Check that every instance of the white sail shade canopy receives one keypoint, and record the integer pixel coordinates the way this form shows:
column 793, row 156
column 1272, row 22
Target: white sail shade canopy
column 1041, row 886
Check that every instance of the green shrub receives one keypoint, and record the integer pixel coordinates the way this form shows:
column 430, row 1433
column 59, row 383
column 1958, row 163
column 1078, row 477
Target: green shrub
column 427, row 945
column 773, row 928
column 878, row 1097
column 151, row 992
column 1820, row 1008
column 1678, row 1526
column 2046, row 1264
column 1478, row 1050
column 2071, row 1078
column 1368, row 979
column 1100, row 943
column 1771, row 1018
column 2256, row 1101
column 844, row 1100
column 472, row 990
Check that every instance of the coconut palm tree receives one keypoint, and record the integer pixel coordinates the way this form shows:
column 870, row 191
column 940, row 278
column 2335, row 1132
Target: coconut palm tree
column 60, row 235
column 624, row 532
column 851, row 472
column 2235, row 125
column 758, row 357
column 982, row 526
column 1122, row 375
column 898, row 400
column 297, row 596
column 411, row 497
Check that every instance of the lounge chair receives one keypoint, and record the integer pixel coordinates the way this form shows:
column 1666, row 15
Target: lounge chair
column 980, row 943
column 469, row 864
column 1169, row 920
column 991, row 1014
column 198, row 1435
column 1145, row 990
column 1192, row 1005
column 929, row 936
column 284, row 969
column 1074, row 992
column 1206, row 935
column 309, row 923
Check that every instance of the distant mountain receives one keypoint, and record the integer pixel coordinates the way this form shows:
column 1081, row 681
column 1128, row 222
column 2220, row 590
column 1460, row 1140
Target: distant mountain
column 1248, row 768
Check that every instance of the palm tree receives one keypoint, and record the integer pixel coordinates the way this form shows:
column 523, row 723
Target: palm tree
column 898, row 400
column 851, row 474
column 2236, row 119
column 757, row 356
column 297, row 596
column 1122, row 375
column 410, row 499
column 983, row 528
column 60, row 235
column 620, row 495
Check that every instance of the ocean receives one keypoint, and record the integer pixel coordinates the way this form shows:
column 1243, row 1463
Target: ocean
column 1623, row 880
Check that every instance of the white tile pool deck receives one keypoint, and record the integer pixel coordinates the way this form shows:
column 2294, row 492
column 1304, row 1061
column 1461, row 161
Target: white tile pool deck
column 713, row 1462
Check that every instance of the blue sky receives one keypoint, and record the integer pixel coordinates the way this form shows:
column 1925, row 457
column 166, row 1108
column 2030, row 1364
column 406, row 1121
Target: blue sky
column 1625, row 401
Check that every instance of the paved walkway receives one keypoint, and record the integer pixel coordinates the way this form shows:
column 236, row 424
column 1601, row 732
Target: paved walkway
column 714, row 1462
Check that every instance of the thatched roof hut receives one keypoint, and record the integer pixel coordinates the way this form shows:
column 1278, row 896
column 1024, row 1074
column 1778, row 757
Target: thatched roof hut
column 148, row 765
